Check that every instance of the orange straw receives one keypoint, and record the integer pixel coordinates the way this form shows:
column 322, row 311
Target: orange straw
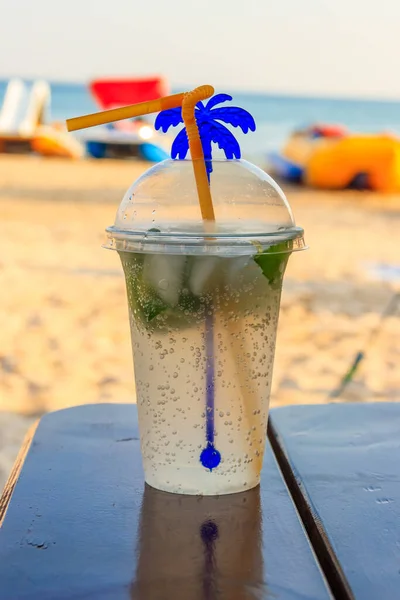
column 196, row 149
column 125, row 112
column 188, row 102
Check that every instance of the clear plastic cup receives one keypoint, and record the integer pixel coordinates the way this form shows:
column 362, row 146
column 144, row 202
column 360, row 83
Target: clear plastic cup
column 204, row 304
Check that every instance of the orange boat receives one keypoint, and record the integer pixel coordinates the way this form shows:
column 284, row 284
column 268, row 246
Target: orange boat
column 374, row 159
column 54, row 140
column 327, row 157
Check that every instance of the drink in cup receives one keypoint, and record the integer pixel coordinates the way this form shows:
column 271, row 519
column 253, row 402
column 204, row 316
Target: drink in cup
column 203, row 309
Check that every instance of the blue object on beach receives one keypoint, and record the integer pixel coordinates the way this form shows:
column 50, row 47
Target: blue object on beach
column 117, row 148
column 96, row 149
column 285, row 168
column 152, row 153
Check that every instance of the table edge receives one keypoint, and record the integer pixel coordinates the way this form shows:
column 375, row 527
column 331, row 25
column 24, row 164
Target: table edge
column 11, row 482
column 324, row 553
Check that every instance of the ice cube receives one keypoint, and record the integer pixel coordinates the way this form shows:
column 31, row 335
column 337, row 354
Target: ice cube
column 203, row 270
column 164, row 273
column 242, row 270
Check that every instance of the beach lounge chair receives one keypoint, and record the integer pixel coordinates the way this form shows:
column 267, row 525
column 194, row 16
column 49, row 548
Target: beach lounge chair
column 23, row 111
column 23, row 117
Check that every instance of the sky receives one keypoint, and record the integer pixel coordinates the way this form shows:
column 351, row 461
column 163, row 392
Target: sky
column 311, row 47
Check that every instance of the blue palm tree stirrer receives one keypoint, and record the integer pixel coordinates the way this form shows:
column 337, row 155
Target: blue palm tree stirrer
column 209, row 121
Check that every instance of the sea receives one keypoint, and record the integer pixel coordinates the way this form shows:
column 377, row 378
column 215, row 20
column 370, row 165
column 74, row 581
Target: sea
column 276, row 116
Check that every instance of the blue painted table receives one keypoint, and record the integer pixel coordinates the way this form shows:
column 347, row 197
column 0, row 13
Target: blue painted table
column 77, row 521
column 342, row 465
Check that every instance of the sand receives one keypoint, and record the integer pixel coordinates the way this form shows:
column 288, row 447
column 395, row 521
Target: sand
column 64, row 337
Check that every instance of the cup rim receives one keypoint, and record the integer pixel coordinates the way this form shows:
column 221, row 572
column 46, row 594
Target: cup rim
column 288, row 239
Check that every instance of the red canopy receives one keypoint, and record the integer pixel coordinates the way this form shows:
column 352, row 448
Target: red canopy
column 111, row 93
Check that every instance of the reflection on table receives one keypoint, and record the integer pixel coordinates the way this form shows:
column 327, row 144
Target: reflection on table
column 199, row 547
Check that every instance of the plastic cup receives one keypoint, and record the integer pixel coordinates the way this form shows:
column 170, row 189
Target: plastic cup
column 203, row 316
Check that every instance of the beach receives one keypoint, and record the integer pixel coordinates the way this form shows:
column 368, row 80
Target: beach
column 64, row 337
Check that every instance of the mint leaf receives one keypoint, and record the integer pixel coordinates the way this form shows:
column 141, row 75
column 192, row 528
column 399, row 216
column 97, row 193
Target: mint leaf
column 145, row 303
column 141, row 297
column 150, row 305
column 272, row 262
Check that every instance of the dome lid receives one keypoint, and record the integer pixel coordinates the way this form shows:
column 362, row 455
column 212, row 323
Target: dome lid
column 161, row 210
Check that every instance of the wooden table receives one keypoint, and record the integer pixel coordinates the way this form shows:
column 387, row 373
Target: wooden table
column 77, row 521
